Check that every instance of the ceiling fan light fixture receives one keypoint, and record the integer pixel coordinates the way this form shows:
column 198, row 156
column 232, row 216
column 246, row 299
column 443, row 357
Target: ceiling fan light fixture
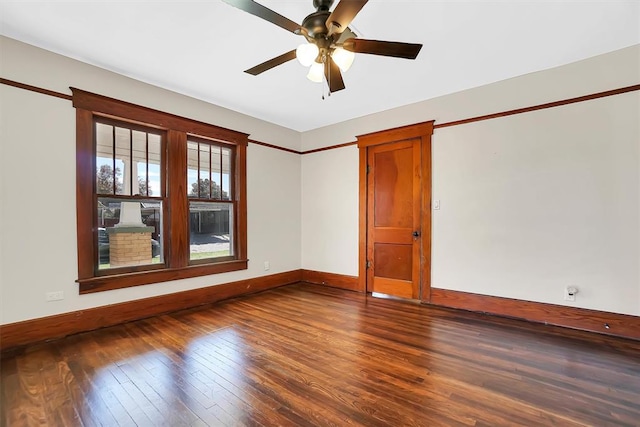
column 307, row 53
column 343, row 58
column 316, row 72
column 327, row 33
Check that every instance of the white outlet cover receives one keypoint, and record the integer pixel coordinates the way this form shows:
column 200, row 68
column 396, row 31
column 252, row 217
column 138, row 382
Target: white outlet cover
column 567, row 296
column 54, row 296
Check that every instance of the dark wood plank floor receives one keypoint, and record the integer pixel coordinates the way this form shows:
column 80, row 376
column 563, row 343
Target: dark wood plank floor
column 305, row 355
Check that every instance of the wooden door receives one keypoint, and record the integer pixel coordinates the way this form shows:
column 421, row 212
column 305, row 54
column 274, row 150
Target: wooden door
column 394, row 223
column 395, row 211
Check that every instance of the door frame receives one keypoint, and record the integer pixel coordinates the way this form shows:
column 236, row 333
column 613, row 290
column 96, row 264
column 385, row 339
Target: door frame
column 423, row 132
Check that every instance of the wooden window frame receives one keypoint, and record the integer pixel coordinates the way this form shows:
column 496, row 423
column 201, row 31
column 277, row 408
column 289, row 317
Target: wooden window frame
column 230, row 201
column 112, row 271
column 175, row 201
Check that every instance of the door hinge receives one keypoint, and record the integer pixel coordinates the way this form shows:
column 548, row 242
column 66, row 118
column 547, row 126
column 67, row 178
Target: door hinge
column 368, row 168
column 368, row 264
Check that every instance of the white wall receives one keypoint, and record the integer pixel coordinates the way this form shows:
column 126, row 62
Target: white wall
column 620, row 68
column 330, row 211
column 496, row 181
column 530, row 203
column 536, row 202
column 37, row 185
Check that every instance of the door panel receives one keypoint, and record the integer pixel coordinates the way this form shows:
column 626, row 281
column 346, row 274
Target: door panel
column 393, row 183
column 394, row 206
column 391, row 235
column 397, row 288
column 393, row 261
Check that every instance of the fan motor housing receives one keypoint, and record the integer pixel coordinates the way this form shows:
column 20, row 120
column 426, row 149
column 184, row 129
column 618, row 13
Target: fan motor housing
column 315, row 24
column 322, row 4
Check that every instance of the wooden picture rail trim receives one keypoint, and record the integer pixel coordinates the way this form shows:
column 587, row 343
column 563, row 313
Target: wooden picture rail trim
column 289, row 150
column 540, row 106
column 621, row 325
column 331, row 147
column 18, row 334
column 64, row 96
column 435, row 126
column 350, row 283
column 264, row 144
column 35, row 89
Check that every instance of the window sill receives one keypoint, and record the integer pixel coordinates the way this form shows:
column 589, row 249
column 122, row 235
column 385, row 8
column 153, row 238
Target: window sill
column 126, row 280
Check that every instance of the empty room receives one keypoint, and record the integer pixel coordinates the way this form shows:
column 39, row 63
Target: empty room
column 320, row 213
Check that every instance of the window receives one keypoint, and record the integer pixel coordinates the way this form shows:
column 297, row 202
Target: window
column 159, row 197
column 129, row 180
column 211, row 210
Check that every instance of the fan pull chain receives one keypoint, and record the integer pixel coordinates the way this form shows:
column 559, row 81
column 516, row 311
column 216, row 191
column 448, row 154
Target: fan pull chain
column 324, row 63
column 328, row 59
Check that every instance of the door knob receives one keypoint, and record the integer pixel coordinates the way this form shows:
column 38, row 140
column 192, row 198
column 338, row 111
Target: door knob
column 416, row 234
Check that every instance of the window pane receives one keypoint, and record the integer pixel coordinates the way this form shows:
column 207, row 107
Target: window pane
column 192, row 169
column 134, row 167
column 215, row 172
column 226, row 174
column 104, row 159
column 123, row 161
column 209, row 226
column 129, row 232
column 205, row 172
column 208, row 170
column 139, row 158
column 154, row 161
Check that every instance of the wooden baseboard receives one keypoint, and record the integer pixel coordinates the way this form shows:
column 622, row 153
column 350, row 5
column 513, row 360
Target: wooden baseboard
column 18, row 334
column 621, row 325
column 334, row 280
column 46, row 328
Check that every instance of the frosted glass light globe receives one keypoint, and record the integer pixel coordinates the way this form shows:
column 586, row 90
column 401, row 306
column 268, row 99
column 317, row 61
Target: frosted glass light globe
column 307, row 53
column 316, row 72
column 343, row 58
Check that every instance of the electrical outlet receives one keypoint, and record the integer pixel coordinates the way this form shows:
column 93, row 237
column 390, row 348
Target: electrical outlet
column 266, row 265
column 570, row 293
column 54, row 296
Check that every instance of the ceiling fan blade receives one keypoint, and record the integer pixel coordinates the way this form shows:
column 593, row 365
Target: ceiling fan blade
column 376, row 47
column 343, row 14
column 333, row 75
column 278, row 60
column 265, row 13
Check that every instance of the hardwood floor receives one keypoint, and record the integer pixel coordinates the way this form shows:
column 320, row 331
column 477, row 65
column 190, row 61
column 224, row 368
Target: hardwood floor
column 305, row 355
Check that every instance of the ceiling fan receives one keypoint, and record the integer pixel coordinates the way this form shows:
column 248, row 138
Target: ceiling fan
column 331, row 45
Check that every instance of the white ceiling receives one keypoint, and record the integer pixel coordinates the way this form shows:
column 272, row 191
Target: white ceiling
column 200, row 48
